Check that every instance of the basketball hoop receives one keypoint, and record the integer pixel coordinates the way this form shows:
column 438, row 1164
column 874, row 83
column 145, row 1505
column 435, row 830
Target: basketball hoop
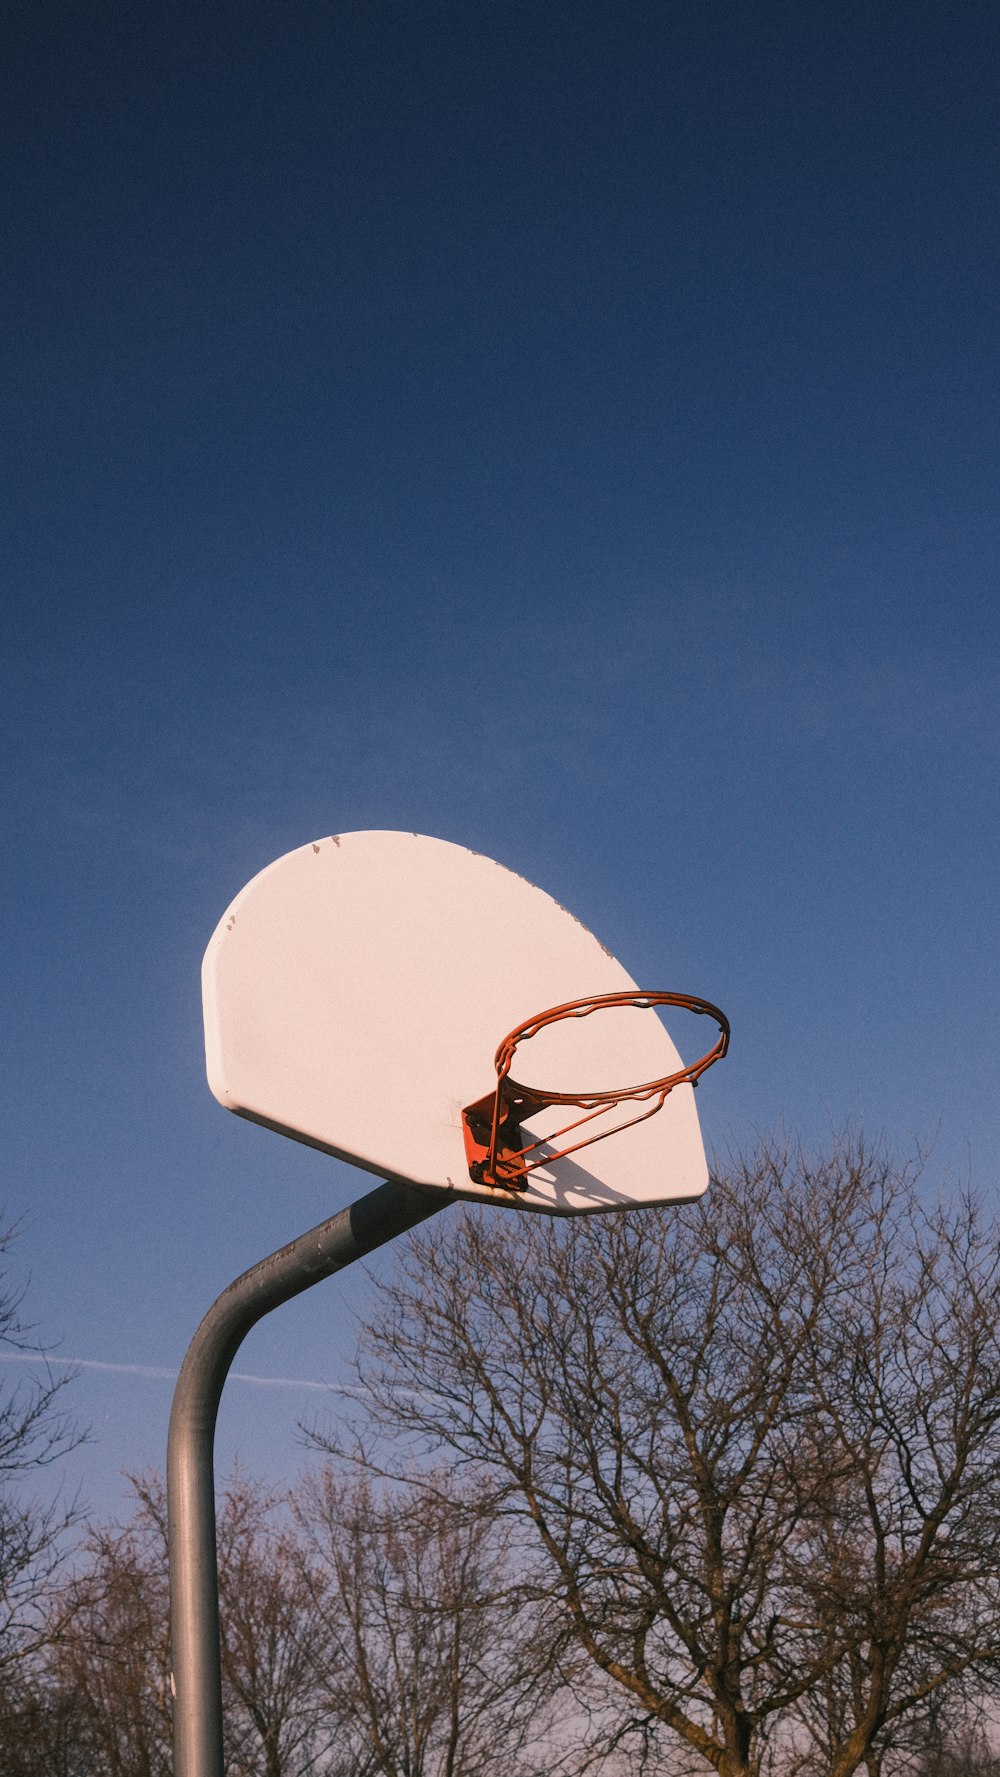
column 497, row 1153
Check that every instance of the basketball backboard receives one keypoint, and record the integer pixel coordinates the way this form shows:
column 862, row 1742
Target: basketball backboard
column 355, row 994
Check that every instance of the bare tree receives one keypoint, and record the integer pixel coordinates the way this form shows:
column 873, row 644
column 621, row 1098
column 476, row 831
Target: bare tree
column 973, row 1757
column 35, row 1433
column 757, row 1443
column 433, row 1668
column 39, row 1728
column 108, row 1665
column 274, row 1646
column 359, row 1635
column 108, row 1656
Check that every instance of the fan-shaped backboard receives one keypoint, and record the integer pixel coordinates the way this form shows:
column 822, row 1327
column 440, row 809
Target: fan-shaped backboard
column 356, row 992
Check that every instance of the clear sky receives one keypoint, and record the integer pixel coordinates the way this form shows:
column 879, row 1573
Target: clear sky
column 569, row 429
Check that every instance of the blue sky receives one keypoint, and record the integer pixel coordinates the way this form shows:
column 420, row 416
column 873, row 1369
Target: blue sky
column 570, row 430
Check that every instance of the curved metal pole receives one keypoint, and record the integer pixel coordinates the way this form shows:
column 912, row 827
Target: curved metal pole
column 194, row 1594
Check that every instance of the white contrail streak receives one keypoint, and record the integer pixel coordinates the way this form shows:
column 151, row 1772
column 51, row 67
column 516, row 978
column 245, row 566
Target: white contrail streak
column 153, row 1374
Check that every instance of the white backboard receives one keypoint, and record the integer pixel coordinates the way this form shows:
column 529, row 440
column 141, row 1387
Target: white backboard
column 355, row 995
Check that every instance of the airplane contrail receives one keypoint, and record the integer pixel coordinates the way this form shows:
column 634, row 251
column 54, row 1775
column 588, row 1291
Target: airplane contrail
column 153, row 1374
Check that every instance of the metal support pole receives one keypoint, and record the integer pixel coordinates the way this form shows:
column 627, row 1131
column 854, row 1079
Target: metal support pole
column 194, row 1591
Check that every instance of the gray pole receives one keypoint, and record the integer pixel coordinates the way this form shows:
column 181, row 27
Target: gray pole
column 194, row 1593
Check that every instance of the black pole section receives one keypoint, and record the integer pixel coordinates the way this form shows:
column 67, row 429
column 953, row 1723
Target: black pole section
column 194, row 1592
